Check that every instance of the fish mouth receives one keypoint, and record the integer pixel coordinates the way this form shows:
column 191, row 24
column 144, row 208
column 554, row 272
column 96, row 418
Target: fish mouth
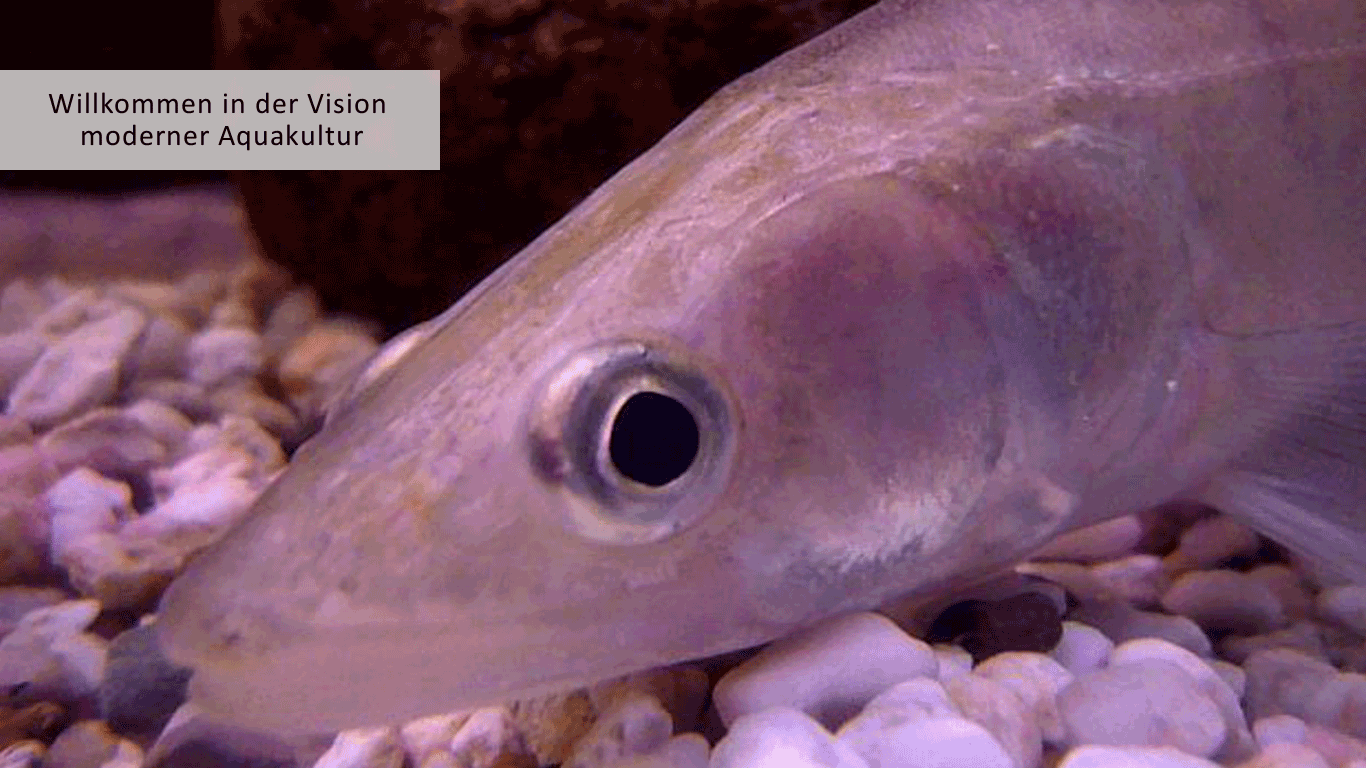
column 256, row 669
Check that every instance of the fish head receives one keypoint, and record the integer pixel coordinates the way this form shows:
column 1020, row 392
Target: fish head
column 682, row 422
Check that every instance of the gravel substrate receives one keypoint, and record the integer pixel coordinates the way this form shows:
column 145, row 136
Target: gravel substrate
column 144, row 415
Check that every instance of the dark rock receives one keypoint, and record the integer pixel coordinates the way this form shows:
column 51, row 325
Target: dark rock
column 1025, row 622
column 141, row 689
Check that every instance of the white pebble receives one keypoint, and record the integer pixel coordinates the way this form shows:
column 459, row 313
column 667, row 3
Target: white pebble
column 321, row 364
column 245, row 398
column 14, row 431
column 1283, row 681
column 1210, row 542
column 232, row 313
column 120, row 574
column 106, row 440
column 79, row 372
column 1140, row 579
column 1286, row 756
column 1150, row 702
column 683, row 691
column 1336, row 747
column 56, row 289
column 363, row 748
column 60, row 620
column 1082, row 648
column 1079, row 580
column 1233, row 675
column 916, row 699
column 245, row 435
column 1303, row 636
column 85, row 502
column 126, row 755
column 953, row 661
column 190, row 399
column 155, row 296
column 1225, row 601
column 26, row 471
column 217, row 354
column 167, row 424
column 20, row 304
column 1103, row 541
column 161, row 352
column 935, row 742
column 1132, row 757
column 84, row 743
column 237, row 449
column 998, row 709
column 290, row 318
column 1288, row 587
column 18, row 602
column 829, row 671
column 488, row 736
column 24, row 538
column 18, row 352
column 634, row 725
column 425, row 735
column 199, row 291
column 70, row 308
column 688, row 750
column 1036, row 679
column 1238, row 744
column 1345, row 605
column 51, row 655
column 1120, row 622
column 1279, row 729
column 1340, row 704
column 781, row 738
column 195, row 515
column 258, row 283
column 23, row 754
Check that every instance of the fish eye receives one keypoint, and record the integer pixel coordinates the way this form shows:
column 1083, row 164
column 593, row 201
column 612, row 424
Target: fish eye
column 636, row 437
column 653, row 440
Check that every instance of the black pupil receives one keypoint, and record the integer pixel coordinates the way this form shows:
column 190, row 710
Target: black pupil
column 654, row 439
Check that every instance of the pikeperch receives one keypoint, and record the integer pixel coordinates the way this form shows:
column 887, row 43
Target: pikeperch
column 880, row 317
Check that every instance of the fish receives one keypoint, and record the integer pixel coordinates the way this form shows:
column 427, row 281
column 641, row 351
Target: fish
column 882, row 316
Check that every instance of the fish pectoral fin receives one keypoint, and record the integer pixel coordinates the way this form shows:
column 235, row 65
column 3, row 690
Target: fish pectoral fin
column 1303, row 481
column 1326, row 531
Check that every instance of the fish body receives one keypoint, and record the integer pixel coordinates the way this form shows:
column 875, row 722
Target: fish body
column 879, row 318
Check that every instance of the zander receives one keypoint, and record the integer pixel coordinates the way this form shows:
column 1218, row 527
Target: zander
column 880, row 318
